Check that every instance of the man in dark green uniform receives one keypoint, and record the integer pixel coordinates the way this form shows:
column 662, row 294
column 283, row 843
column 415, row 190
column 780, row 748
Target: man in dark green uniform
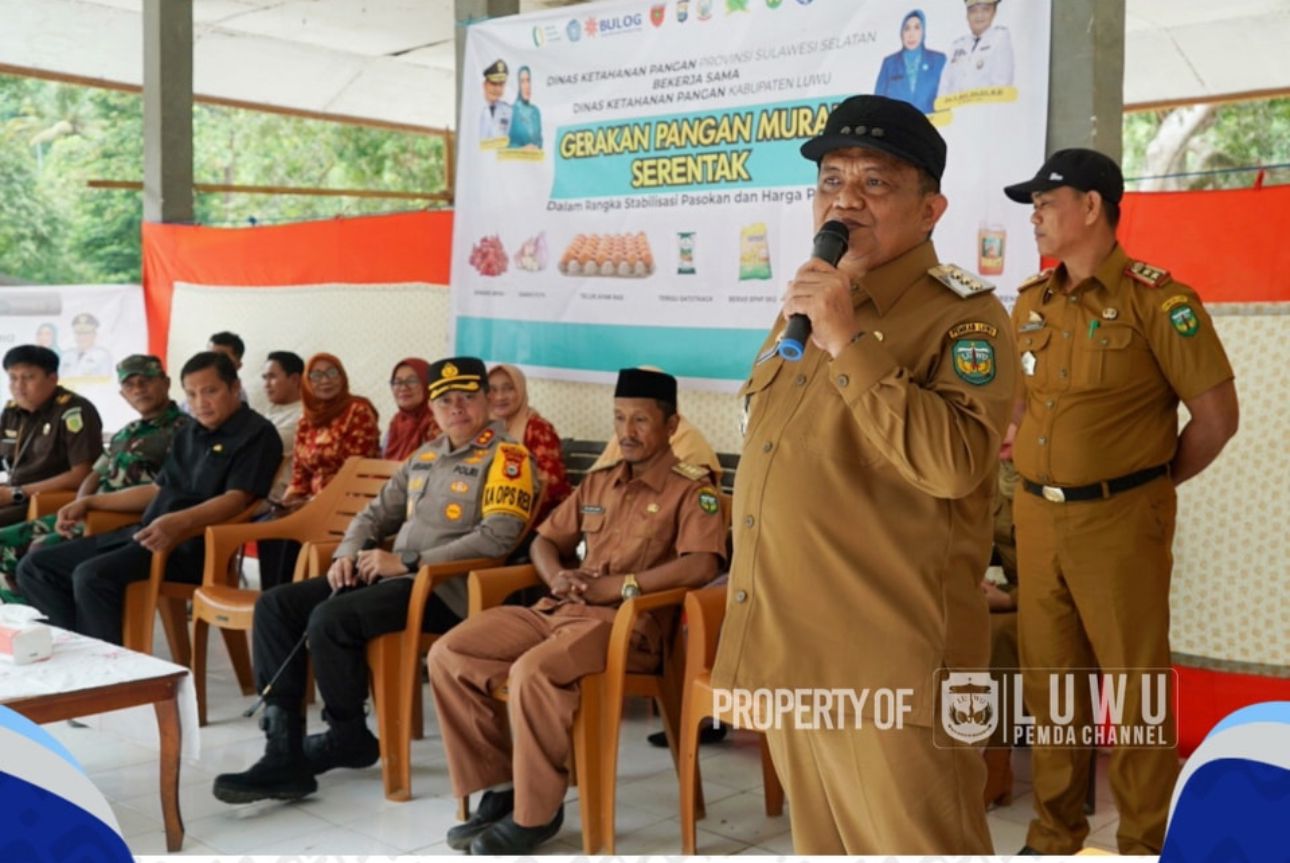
column 133, row 457
column 49, row 436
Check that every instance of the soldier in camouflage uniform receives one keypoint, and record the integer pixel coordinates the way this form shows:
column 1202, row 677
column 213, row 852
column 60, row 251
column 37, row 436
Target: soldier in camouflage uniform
column 133, row 457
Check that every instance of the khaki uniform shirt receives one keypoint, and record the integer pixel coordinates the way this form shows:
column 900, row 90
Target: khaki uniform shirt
column 635, row 524
column 64, row 431
column 448, row 505
column 862, row 504
column 1104, row 367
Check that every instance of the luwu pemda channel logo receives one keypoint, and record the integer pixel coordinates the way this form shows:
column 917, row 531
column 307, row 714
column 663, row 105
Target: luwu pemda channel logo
column 51, row 811
column 1231, row 800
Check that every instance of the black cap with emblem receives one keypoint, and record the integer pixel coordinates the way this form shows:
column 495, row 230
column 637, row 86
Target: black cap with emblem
column 878, row 123
column 497, row 72
column 467, row 374
column 1077, row 167
column 645, row 384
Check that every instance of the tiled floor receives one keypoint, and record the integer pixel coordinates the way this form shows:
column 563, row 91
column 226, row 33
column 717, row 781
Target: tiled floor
column 350, row 815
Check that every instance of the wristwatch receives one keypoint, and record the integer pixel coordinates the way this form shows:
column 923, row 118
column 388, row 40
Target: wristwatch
column 631, row 587
column 411, row 560
column 17, row 494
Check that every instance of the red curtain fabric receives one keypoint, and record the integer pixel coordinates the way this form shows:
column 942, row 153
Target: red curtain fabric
column 403, row 247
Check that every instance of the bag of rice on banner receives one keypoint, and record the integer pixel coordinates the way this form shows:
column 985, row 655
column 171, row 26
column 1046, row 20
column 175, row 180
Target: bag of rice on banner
column 754, row 252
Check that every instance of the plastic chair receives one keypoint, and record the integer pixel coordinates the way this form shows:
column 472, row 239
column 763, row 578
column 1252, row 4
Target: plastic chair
column 45, row 503
column 598, row 720
column 704, row 611
column 220, row 603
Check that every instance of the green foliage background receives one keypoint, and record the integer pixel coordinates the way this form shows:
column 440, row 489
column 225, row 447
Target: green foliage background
column 55, row 137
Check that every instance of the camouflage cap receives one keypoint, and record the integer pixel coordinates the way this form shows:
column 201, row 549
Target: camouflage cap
column 139, row 364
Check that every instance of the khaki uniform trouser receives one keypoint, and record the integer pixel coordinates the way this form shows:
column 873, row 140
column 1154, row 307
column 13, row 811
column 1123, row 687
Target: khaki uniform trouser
column 1094, row 593
column 540, row 657
column 876, row 791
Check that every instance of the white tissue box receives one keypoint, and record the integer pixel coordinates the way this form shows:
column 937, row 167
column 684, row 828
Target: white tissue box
column 23, row 643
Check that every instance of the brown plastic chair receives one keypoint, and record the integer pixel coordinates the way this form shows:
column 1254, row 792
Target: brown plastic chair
column 394, row 664
column 44, row 503
column 598, row 720
column 220, row 603
column 704, row 611
column 146, row 598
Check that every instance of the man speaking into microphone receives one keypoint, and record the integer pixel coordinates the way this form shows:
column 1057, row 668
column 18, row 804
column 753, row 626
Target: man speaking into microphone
column 862, row 507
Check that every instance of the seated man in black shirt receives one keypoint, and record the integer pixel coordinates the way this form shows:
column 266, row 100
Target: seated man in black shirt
column 216, row 467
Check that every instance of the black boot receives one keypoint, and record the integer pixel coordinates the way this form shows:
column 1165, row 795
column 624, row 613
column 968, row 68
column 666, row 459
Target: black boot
column 282, row 773
column 493, row 807
column 508, row 839
column 708, row 733
column 345, row 743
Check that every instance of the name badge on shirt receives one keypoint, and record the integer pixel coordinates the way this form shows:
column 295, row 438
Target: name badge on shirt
column 592, row 509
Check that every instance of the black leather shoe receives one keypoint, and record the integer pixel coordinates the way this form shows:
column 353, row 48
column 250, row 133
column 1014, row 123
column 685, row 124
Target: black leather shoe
column 709, row 733
column 1027, row 851
column 506, row 838
column 493, row 807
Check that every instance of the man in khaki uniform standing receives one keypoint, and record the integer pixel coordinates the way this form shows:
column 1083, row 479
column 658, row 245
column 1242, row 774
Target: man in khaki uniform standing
column 651, row 523
column 1108, row 347
column 862, row 503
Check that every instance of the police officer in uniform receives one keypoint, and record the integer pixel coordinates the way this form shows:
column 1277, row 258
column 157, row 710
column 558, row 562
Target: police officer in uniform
column 89, row 359
column 983, row 58
column 495, row 119
column 862, row 502
column 1109, row 346
column 51, row 437
column 467, row 494
column 651, row 522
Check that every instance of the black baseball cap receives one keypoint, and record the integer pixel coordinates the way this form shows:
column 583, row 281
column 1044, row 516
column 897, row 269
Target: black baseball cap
column 1077, row 167
column 878, row 123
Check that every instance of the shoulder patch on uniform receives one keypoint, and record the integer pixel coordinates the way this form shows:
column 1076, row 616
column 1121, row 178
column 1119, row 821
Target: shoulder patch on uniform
column 1152, row 277
column 1175, row 300
column 959, row 280
column 1184, row 320
column 73, row 420
column 980, row 327
column 1037, row 279
column 693, row 472
column 485, row 437
column 63, row 399
column 509, row 487
column 974, row 361
column 708, row 500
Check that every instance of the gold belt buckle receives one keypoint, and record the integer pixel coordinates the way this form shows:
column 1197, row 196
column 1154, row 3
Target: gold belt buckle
column 1054, row 494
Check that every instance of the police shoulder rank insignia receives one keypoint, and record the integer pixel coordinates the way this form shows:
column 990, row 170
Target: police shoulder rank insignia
column 63, row 399
column 428, row 456
column 959, row 280
column 1152, row 277
column 509, row 489
column 708, row 500
column 73, row 420
column 973, row 327
column 485, row 437
column 974, row 361
column 1037, row 279
column 690, row 471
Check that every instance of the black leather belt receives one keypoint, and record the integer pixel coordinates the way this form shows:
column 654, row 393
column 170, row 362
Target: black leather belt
column 1096, row 491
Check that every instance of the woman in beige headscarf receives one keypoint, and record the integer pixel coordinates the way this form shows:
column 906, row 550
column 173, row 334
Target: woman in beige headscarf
column 508, row 402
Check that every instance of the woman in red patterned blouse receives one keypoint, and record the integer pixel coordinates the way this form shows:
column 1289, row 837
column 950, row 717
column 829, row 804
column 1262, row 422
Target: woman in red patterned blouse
column 333, row 426
column 508, row 401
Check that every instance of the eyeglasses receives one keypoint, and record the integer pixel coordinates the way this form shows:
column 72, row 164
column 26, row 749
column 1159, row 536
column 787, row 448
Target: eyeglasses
column 328, row 375
column 410, row 383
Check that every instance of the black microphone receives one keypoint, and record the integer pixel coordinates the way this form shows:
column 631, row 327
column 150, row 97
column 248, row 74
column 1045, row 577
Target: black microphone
column 830, row 245
column 368, row 545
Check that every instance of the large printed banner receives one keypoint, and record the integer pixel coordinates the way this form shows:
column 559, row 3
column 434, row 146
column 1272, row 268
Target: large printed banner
column 630, row 189
column 90, row 327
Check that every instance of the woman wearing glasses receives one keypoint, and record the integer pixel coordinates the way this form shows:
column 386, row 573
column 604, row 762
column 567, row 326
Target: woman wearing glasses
column 414, row 424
